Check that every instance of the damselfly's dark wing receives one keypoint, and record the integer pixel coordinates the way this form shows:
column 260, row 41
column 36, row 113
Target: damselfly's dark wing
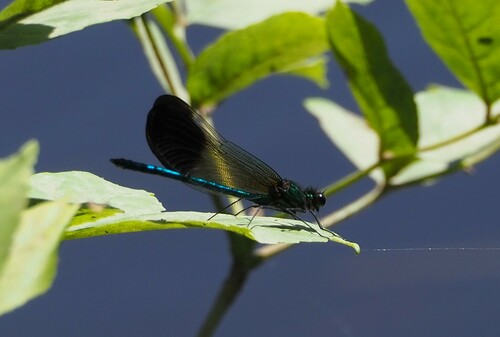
column 183, row 141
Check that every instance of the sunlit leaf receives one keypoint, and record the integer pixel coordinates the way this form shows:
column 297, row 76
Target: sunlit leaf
column 452, row 124
column 349, row 132
column 26, row 22
column 30, row 265
column 315, row 70
column 14, row 176
column 383, row 95
column 86, row 188
column 466, row 35
column 111, row 209
column 236, row 14
column 262, row 229
column 28, row 237
column 240, row 58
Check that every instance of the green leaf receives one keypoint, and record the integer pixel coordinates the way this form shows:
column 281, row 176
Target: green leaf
column 349, row 132
column 466, row 35
column 28, row 238
column 85, row 188
column 383, row 95
column 26, row 22
column 314, row 70
column 14, row 174
column 446, row 113
column 111, row 209
column 452, row 129
column 30, row 266
column 22, row 8
column 261, row 229
column 240, row 58
column 236, row 14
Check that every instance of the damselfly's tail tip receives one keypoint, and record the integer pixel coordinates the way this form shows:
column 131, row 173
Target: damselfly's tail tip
column 120, row 162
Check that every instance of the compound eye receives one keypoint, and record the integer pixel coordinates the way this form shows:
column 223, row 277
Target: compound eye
column 319, row 200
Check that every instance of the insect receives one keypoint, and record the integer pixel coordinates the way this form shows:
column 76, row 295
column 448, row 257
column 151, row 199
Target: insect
column 192, row 151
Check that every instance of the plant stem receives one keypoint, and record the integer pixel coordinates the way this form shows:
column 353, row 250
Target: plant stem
column 172, row 20
column 481, row 155
column 463, row 164
column 157, row 55
column 349, row 180
column 453, row 139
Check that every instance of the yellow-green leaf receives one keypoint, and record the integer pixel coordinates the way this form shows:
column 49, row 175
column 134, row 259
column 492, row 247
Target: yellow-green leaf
column 26, row 22
column 383, row 95
column 466, row 35
column 30, row 265
column 240, row 58
column 14, row 185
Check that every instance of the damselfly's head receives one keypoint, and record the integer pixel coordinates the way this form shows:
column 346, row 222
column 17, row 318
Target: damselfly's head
column 314, row 199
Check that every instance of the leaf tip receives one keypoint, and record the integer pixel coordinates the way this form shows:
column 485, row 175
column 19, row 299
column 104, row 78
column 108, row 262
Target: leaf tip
column 353, row 245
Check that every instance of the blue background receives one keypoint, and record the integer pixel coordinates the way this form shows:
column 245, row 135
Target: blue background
column 85, row 98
